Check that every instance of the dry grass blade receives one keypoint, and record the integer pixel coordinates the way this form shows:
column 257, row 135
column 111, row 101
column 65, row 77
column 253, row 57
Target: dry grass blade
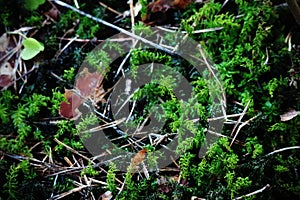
column 205, row 30
column 253, row 193
column 110, row 9
column 84, row 157
column 240, row 118
column 72, row 150
column 283, row 149
column 240, row 127
column 209, row 67
column 62, row 195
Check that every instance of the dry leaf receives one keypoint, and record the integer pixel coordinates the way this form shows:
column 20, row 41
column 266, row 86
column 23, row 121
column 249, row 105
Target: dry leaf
column 53, row 13
column 69, row 109
column 6, row 74
column 88, row 85
column 107, row 195
column 289, row 115
column 138, row 159
column 5, row 80
column 164, row 5
column 160, row 6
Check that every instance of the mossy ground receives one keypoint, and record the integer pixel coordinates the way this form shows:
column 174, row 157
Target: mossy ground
column 257, row 53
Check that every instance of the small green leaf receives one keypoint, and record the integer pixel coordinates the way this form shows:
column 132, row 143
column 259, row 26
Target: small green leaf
column 31, row 48
column 33, row 4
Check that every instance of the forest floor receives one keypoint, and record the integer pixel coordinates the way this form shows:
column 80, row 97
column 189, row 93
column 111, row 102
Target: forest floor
column 165, row 99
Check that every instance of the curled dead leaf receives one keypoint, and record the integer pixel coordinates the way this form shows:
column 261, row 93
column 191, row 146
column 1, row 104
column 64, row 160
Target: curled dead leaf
column 88, row 85
column 289, row 115
column 69, row 108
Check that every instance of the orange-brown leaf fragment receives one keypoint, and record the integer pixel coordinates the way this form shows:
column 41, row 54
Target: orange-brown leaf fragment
column 87, row 83
column 182, row 4
column 69, row 109
column 5, row 80
column 138, row 159
column 53, row 13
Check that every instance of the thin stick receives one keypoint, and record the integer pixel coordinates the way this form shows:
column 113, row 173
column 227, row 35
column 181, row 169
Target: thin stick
column 92, row 40
column 223, row 117
column 54, row 184
column 240, row 127
column 110, row 9
column 283, row 149
column 59, row 196
column 72, row 150
column 253, row 193
column 66, row 46
column 213, row 73
column 220, row 135
column 132, row 15
column 124, row 60
column 114, row 27
column 240, row 118
column 205, row 30
column 84, row 157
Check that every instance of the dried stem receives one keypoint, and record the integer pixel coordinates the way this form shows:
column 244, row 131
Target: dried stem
column 283, row 149
column 253, row 193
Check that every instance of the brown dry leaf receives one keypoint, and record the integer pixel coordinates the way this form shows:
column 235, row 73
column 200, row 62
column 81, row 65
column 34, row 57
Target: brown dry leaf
column 138, row 159
column 164, row 5
column 89, row 85
column 69, row 109
column 5, row 80
column 289, row 115
column 53, row 13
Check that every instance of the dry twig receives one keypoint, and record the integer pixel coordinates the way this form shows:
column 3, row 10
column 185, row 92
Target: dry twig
column 253, row 193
